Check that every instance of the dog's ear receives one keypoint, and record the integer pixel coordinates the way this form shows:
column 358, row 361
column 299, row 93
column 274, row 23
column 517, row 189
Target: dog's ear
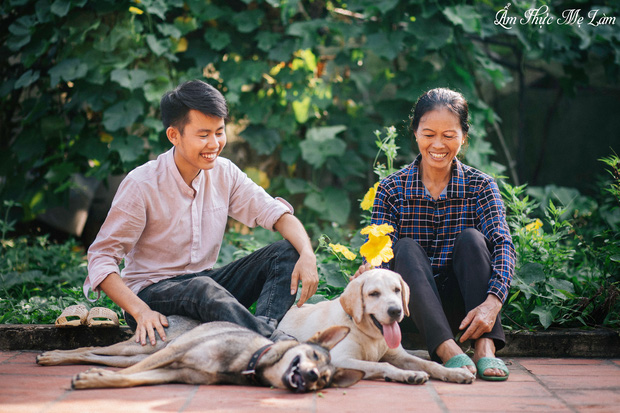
column 330, row 337
column 404, row 291
column 346, row 377
column 351, row 300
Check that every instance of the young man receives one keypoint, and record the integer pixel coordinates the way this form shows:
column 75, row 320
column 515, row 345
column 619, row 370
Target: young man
column 168, row 219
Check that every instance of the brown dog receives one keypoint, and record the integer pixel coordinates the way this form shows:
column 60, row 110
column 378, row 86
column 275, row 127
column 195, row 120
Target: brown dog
column 211, row 353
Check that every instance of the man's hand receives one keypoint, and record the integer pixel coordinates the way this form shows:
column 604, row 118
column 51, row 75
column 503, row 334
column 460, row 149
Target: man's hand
column 481, row 319
column 306, row 273
column 148, row 322
column 361, row 270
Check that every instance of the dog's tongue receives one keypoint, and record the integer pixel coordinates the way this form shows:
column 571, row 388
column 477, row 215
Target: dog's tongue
column 391, row 333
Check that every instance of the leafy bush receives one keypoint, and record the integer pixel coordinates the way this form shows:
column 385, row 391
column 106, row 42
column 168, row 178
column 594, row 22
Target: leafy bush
column 38, row 278
column 80, row 83
column 567, row 274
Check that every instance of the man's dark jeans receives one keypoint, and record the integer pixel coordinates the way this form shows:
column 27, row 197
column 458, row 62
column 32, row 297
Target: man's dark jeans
column 439, row 304
column 224, row 294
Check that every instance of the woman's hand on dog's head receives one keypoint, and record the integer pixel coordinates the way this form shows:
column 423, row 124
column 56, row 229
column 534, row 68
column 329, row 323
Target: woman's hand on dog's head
column 362, row 269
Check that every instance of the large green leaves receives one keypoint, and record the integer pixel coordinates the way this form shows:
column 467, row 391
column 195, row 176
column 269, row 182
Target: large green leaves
column 321, row 143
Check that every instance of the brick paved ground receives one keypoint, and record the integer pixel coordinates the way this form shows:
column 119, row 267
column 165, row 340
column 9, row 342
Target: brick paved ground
column 535, row 385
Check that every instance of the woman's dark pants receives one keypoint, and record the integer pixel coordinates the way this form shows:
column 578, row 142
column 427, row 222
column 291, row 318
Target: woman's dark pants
column 439, row 304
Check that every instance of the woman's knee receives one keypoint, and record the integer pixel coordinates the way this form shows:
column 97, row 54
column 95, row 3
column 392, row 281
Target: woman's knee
column 407, row 246
column 470, row 241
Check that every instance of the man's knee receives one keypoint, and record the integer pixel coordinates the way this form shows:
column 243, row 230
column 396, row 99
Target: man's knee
column 286, row 251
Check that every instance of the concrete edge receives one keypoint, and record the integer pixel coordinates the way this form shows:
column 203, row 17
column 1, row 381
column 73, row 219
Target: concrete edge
column 603, row 343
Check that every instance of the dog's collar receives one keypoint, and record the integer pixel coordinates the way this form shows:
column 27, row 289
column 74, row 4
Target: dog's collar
column 250, row 371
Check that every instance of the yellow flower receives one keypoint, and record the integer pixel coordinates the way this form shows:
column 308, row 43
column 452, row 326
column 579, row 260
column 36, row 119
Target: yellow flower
column 377, row 230
column 181, row 45
column 533, row 226
column 135, row 10
column 343, row 250
column 377, row 249
column 105, row 137
column 369, row 198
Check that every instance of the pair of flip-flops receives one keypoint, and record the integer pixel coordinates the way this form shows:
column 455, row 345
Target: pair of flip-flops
column 485, row 363
column 79, row 315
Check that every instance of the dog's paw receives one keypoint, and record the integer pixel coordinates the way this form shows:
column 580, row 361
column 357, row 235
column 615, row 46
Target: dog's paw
column 459, row 375
column 90, row 378
column 409, row 377
column 49, row 358
column 417, row 377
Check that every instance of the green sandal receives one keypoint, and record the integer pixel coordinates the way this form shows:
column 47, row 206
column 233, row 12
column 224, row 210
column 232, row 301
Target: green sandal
column 492, row 363
column 460, row 360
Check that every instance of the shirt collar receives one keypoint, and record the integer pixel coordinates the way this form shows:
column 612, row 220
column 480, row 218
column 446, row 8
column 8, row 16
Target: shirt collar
column 172, row 168
column 415, row 189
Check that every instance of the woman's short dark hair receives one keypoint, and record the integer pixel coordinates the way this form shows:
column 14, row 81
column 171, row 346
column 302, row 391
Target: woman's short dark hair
column 194, row 94
column 438, row 98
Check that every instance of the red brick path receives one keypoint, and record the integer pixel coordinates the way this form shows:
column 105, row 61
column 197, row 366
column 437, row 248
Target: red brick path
column 535, row 385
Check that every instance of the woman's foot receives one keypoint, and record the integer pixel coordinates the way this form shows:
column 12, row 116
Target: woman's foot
column 449, row 349
column 485, row 347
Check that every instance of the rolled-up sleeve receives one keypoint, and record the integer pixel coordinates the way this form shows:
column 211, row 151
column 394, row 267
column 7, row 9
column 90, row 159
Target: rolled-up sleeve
column 251, row 205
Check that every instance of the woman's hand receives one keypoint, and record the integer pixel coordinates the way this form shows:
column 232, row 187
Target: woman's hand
column 362, row 269
column 481, row 319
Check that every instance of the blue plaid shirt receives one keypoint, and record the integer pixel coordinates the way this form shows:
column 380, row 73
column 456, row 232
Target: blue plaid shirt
column 472, row 200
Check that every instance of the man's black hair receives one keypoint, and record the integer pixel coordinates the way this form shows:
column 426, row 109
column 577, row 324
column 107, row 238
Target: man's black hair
column 194, row 94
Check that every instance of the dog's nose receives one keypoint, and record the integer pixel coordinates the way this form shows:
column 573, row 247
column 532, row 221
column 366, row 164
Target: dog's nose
column 394, row 312
column 312, row 375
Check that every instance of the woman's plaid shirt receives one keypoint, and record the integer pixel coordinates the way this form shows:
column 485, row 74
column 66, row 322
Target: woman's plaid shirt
column 472, row 200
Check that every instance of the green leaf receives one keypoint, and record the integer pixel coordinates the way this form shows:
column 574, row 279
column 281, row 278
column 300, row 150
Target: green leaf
column 248, row 20
column 465, row 16
column 122, row 114
column 301, row 108
column 23, row 26
column 156, row 7
column 60, row 7
column 324, row 133
column 67, row 70
column 28, row 78
column 169, row 30
column 532, row 273
column 129, row 148
column 337, row 206
column 262, row 139
column 296, row 186
column 130, row 79
column 316, row 153
column 158, row 46
column 544, row 315
column 267, row 40
column 385, row 45
column 217, row 39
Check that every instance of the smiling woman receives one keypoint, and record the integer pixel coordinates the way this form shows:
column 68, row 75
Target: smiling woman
column 451, row 240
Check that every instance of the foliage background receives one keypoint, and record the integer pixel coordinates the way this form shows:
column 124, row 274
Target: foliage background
column 308, row 83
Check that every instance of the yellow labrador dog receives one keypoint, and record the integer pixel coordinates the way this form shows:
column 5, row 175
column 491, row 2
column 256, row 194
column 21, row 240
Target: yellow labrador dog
column 371, row 305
